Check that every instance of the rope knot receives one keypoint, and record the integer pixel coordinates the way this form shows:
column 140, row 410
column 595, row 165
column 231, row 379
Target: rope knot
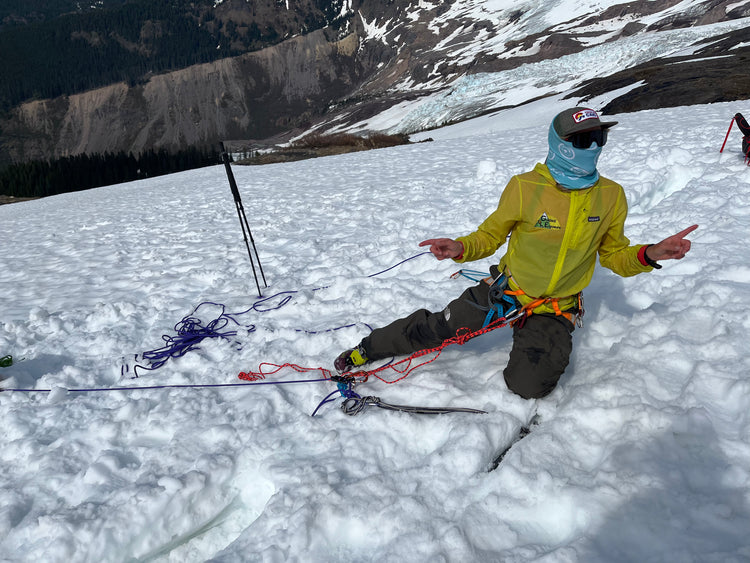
column 251, row 376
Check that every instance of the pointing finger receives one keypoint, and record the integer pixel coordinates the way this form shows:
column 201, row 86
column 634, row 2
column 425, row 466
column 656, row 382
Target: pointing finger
column 686, row 232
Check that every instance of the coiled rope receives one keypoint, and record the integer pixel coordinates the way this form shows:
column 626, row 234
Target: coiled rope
column 191, row 331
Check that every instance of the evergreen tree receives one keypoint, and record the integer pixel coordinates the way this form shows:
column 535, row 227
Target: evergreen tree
column 81, row 172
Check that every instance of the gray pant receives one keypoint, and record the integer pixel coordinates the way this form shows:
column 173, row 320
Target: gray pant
column 541, row 347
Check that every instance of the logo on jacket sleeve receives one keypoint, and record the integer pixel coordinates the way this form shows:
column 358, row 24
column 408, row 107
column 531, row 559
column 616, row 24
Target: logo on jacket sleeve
column 547, row 222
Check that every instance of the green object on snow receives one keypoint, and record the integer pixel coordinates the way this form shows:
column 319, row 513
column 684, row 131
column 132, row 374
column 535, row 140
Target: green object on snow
column 6, row 361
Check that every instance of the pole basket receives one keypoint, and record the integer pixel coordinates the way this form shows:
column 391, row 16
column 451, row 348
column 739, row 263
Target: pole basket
column 246, row 232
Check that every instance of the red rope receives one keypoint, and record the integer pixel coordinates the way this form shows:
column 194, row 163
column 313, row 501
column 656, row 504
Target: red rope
column 257, row 375
column 403, row 367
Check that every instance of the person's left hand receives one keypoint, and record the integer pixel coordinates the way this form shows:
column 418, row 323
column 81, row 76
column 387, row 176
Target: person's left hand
column 671, row 248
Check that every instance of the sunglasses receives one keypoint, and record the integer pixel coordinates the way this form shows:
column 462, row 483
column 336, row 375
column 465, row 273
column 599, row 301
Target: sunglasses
column 585, row 139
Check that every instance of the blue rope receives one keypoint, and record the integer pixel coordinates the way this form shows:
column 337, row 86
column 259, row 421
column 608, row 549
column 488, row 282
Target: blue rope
column 396, row 265
column 344, row 388
column 328, row 399
column 288, row 297
column 152, row 387
column 191, row 331
column 331, row 329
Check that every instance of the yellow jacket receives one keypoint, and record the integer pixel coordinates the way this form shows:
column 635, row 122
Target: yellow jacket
column 555, row 235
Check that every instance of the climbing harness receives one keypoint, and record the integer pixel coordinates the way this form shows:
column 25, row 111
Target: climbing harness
column 503, row 303
column 573, row 314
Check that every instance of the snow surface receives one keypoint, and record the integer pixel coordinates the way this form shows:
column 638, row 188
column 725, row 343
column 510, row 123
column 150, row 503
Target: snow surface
column 643, row 452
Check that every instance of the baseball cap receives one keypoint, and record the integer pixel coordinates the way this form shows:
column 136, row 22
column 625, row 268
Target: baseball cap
column 578, row 119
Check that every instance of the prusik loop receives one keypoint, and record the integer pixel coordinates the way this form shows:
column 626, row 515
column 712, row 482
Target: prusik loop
column 257, row 375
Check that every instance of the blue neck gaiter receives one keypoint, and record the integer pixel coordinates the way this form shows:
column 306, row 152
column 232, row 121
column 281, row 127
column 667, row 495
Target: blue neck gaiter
column 572, row 168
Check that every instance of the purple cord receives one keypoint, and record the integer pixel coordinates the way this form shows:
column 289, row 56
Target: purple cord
column 191, row 332
column 396, row 265
column 152, row 387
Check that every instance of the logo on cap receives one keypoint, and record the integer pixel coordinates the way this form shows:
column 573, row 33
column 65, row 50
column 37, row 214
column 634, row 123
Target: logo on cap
column 584, row 115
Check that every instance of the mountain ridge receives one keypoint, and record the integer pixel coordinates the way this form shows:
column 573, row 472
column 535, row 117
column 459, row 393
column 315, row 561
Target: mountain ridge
column 386, row 54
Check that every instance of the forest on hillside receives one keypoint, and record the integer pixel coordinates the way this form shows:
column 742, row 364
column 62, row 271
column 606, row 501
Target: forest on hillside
column 45, row 55
column 81, row 172
column 23, row 12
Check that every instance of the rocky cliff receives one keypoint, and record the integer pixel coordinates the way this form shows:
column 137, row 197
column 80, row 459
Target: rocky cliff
column 250, row 96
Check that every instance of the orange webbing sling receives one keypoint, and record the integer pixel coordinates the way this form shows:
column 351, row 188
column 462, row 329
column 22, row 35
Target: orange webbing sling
column 575, row 316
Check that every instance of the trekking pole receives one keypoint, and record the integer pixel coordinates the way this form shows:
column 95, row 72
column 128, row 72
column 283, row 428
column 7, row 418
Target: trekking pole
column 727, row 135
column 246, row 234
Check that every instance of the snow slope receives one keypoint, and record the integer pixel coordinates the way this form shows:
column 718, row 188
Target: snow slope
column 643, row 452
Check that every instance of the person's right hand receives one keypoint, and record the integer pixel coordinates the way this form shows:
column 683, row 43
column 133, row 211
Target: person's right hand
column 444, row 248
column 671, row 248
